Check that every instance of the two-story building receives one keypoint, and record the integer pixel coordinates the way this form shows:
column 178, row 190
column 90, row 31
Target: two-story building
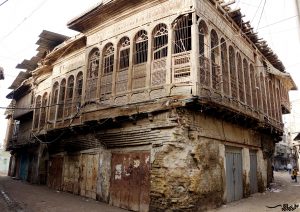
column 154, row 105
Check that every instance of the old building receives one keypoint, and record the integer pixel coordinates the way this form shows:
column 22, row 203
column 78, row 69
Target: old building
column 155, row 105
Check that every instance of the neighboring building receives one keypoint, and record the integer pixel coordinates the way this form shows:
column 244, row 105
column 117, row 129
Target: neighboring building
column 4, row 162
column 155, row 105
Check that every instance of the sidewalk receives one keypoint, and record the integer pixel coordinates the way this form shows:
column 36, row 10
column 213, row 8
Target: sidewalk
column 21, row 196
column 284, row 193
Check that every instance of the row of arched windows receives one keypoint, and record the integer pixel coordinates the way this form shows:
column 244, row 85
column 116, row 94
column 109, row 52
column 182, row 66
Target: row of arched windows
column 65, row 100
column 223, row 69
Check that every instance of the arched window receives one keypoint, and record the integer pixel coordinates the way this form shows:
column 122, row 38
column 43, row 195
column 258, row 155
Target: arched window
column 107, row 70
column 254, row 87
column 214, row 57
column 54, row 101
column 247, row 81
column 225, row 72
column 182, row 32
column 69, row 96
column 263, row 93
column 160, row 52
column 61, row 99
column 78, row 92
column 279, row 111
column 141, row 47
column 204, row 62
column 271, row 99
column 233, row 76
column 140, row 59
column 240, row 78
column 92, row 74
column 43, row 110
column 37, row 110
column 122, row 73
column 268, row 95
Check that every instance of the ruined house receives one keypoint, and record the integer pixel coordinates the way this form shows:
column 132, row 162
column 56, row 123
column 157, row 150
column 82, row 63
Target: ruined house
column 154, row 105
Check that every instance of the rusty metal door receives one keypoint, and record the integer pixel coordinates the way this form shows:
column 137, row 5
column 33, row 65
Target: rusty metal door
column 234, row 174
column 88, row 175
column 253, row 172
column 71, row 174
column 55, row 172
column 130, row 181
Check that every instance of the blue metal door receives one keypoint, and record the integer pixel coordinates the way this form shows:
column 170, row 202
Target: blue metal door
column 24, row 166
column 234, row 174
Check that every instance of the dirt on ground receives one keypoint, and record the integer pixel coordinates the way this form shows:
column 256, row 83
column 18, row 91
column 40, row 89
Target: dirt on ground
column 17, row 196
column 283, row 195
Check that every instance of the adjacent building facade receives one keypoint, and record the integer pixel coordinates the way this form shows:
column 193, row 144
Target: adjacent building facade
column 155, row 105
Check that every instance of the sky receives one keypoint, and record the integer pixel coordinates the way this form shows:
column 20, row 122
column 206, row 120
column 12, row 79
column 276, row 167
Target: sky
column 21, row 22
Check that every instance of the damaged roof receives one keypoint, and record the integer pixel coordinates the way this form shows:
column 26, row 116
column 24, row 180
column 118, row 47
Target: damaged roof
column 47, row 41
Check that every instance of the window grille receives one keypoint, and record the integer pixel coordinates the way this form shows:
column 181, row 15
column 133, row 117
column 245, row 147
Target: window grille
column 214, row 57
column 225, row 73
column 92, row 74
column 37, row 112
column 43, row 110
column 78, row 92
column 271, row 99
column 61, row 99
column 141, row 47
column 263, row 93
column 247, row 81
column 182, row 32
column 254, row 87
column 54, row 101
column 122, row 73
column 268, row 95
column 233, row 77
column 203, row 60
column 240, row 78
column 69, row 96
column 108, row 67
column 160, row 52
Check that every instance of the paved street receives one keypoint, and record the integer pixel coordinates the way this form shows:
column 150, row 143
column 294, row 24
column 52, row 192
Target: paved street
column 284, row 192
column 19, row 196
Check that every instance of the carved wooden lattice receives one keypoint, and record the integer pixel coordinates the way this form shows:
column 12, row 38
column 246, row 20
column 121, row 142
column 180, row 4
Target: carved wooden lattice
column 54, row 100
column 92, row 74
column 240, row 78
column 37, row 111
column 247, row 81
column 141, row 56
column 182, row 67
column 204, row 71
column 160, row 52
column 214, row 57
column 263, row 93
column 122, row 73
column 225, row 72
column 78, row 92
column 62, row 92
column 233, row 76
column 254, row 87
column 205, row 78
column 69, row 96
column 108, row 67
column 43, row 111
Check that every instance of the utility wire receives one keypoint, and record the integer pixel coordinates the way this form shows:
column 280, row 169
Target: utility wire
column 278, row 21
column 261, row 14
column 3, row 2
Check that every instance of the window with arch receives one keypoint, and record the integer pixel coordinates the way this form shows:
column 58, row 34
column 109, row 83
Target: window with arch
column 204, row 62
column 183, row 34
column 141, row 47
column 78, row 92
column 92, row 74
column 37, row 111
column 124, row 57
column 268, row 95
column 254, row 87
column 240, row 78
column 271, row 99
column 214, row 58
column 160, row 52
column 44, row 111
column 225, row 72
column 54, row 101
column 61, row 99
column 107, row 70
column 69, row 96
column 233, row 76
column 263, row 93
column 247, row 81
column 140, row 58
column 279, row 111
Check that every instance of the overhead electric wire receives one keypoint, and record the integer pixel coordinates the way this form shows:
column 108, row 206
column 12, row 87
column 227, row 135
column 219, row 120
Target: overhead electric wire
column 261, row 14
column 3, row 2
